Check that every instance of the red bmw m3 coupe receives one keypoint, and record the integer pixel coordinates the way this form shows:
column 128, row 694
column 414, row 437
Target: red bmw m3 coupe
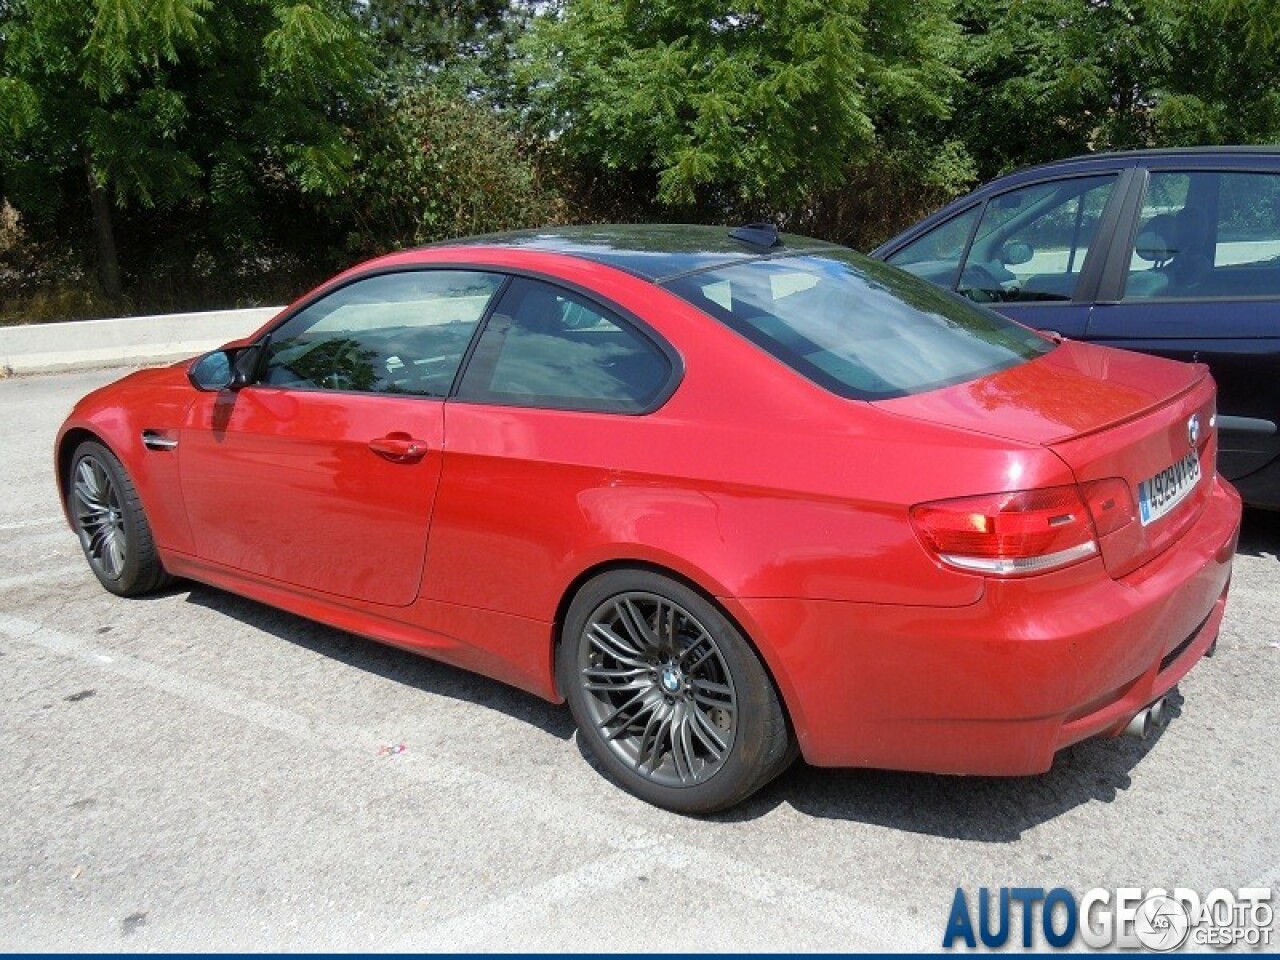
column 734, row 495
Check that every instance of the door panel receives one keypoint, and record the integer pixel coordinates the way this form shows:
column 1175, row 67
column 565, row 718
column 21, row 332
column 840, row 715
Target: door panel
column 284, row 484
column 1200, row 281
column 323, row 473
column 1069, row 319
column 1246, row 368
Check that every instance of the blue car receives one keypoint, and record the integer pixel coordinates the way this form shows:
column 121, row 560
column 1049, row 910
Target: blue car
column 1170, row 252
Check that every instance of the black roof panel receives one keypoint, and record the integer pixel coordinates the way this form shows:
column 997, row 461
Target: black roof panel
column 653, row 251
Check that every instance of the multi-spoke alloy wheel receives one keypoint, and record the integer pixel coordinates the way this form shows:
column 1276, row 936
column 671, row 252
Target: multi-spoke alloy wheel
column 99, row 517
column 661, row 695
column 107, row 515
column 668, row 694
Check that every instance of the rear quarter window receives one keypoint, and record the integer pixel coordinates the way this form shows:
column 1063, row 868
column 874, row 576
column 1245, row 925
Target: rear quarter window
column 547, row 347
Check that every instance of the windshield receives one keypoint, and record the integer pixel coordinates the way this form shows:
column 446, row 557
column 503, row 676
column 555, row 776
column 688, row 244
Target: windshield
column 857, row 327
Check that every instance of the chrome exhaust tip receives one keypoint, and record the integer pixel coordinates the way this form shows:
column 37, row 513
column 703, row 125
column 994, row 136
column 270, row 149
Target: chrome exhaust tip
column 1140, row 725
column 1146, row 720
column 1157, row 712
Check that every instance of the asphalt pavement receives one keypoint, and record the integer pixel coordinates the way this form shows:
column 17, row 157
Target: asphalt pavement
column 197, row 771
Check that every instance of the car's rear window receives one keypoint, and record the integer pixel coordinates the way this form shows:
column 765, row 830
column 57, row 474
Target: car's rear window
column 859, row 328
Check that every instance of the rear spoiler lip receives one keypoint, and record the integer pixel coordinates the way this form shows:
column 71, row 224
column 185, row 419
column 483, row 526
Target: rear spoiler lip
column 1202, row 374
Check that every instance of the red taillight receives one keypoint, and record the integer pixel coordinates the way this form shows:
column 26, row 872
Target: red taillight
column 1005, row 534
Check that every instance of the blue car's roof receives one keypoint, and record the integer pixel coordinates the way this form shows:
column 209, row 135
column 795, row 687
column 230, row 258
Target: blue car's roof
column 1225, row 156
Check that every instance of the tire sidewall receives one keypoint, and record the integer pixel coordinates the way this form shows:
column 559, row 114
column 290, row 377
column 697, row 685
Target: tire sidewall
column 129, row 513
column 741, row 768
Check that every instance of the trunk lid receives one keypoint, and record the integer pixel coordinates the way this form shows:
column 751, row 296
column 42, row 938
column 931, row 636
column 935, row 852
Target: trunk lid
column 1107, row 413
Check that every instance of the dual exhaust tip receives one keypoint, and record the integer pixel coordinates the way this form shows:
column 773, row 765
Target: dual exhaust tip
column 1146, row 720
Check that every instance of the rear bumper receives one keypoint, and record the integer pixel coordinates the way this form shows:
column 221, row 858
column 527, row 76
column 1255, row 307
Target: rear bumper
column 1000, row 686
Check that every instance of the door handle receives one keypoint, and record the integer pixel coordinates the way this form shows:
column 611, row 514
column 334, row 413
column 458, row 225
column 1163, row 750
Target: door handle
column 1254, row 425
column 399, row 448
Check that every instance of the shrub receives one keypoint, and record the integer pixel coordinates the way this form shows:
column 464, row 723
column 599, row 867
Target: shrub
column 437, row 165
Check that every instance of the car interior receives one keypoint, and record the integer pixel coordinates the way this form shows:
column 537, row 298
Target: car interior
column 1199, row 249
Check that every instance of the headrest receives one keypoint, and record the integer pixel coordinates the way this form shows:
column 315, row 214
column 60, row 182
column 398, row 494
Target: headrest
column 1156, row 241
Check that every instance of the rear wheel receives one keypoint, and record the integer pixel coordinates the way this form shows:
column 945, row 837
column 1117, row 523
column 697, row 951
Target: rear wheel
column 668, row 694
column 108, row 517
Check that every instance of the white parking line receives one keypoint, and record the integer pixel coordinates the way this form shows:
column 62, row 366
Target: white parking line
column 474, row 928
column 25, row 524
column 807, row 907
column 858, row 925
column 50, row 574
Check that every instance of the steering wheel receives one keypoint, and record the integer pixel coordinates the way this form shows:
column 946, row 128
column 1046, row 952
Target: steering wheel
column 980, row 285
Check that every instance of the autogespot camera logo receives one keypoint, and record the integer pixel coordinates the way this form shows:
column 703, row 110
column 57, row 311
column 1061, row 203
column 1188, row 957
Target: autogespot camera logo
column 1161, row 924
column 1127, row 918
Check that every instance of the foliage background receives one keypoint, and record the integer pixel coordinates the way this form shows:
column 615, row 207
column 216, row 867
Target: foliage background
column 163, row 155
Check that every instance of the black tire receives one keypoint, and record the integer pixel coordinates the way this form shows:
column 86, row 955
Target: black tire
column 699, row 673
column 109, row 520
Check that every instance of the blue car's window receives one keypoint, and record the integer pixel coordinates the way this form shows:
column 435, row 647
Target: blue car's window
column 1207, row 235
column 936, row 255
column 1029, row 246
column 859, row 328
column 1031, row 243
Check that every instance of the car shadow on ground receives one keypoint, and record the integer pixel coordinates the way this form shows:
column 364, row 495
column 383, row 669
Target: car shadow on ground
column 1260, row 534
column 385, row 661
column 981, row 809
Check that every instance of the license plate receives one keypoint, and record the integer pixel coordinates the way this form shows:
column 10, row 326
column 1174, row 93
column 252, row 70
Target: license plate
column 1168, row 488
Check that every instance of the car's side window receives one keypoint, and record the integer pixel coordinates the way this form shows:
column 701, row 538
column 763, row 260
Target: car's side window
column 936, row 255
column 1032, row 242
column 546, row 347
column 1206, row 234
column 399, row 333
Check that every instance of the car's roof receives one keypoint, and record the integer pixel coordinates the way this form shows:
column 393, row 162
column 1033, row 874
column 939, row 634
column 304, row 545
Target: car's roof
column 1235, row 155
column 1176, row 151
column 653, row 251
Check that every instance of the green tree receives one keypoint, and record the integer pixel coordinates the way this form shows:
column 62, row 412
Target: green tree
column 1222, row 80
column 1042, row 77
column 1050, row 78
column 758, row 100
column 421, row 34
column 158, row 103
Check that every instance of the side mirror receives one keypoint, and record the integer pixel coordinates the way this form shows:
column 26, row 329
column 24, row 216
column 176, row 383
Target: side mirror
column 1012, row 254
column 244, row 367
column 212, row 371
column 226, row 369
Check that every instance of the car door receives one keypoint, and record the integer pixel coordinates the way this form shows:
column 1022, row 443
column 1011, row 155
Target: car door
column 322, row 472
column 1196, row 277
column 1032, row 252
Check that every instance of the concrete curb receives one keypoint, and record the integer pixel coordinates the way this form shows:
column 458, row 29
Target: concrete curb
column 122, row 341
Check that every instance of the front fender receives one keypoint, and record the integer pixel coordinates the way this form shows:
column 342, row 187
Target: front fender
column 116, row 415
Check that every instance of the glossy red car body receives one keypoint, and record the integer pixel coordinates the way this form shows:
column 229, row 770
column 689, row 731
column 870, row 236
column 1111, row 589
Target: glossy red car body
column 788, row 504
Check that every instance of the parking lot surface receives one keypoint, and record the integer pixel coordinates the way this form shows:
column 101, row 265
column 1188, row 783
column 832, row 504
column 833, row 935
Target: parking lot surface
column 197, row 771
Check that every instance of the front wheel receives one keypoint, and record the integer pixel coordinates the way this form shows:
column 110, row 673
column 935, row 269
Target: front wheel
column 668, row 694
column 108, row 518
